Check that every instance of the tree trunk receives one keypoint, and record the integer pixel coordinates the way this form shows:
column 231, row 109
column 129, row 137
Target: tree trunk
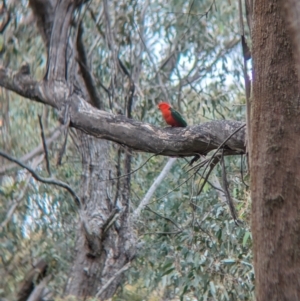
column 105, row 243
column 275, row 164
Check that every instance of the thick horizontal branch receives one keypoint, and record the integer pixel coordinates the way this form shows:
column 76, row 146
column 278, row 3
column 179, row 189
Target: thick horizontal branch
column 198, row 139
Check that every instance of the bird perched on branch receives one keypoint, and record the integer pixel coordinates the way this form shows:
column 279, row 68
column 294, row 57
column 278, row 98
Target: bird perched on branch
column 171, row 116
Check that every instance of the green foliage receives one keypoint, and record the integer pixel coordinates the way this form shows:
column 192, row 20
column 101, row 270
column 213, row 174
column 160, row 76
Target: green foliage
column 190, row 56
column 196, row 251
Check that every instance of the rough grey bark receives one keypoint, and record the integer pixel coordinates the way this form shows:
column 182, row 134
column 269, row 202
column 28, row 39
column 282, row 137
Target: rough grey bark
column 275, row 164
column 105, row 242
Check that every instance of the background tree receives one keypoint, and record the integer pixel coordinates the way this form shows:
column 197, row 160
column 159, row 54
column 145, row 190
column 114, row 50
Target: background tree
column 101, row 68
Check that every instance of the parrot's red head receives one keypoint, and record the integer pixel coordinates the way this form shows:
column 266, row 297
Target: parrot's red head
column 171, row 116
column 164, row 106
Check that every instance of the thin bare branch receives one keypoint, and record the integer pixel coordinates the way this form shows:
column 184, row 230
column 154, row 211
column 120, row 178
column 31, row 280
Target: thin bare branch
column 242, row 173
column 106, row 285
column 163, row 88
column 227, row 193
column 212, row 164
column 17, row 202
column 162, row 233
column 44, row 145
column 5, row 17
column 63, row 148
column 145, row 201
column 130, row 173
column 215, row 183
column 162, row 216
column 223, row 144
column 215, row 158
column 246, row 56
column 43, row 180
column 35, row 152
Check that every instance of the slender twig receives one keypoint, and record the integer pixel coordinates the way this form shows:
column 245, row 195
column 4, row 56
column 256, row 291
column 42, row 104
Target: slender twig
column 213, row 161
column 176, row 187
column 199, row 165
column 212, row 165
column 164, row 90
column 217, row 150
column 106, row 285
column 246, row 56
column 130, row 173
column 6, row 19
column 201, row 14
column 211, row 184
column 41, row 179
column 44, row 145
column 111, row 43
column 36, row 151
column 17, row 202
column 63, row 148
column 163, row 233
column 227, row 193
column 162, row 216
column 145, row 201
column 242, row 172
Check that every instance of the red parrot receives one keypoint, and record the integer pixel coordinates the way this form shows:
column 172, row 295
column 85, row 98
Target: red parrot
column 171, row 116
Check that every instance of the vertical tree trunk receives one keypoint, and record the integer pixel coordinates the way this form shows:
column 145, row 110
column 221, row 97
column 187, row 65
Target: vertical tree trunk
column 105, row 242
column 275, row 157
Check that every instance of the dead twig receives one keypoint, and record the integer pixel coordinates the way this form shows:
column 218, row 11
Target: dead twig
column 212, row 165
column 50, row 181
column 246, row 56
column 44, row 145
column 107, row 284
column 242, row 173
column 66, row 125
column 145, row 201
column 17, row 202
column 5, row 17
column 227, row 193
column 214, row 155
column 162, row 216
column 130, row 173
column 36, row 151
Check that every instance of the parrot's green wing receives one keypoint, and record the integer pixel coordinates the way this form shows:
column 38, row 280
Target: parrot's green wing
column 179, row 119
